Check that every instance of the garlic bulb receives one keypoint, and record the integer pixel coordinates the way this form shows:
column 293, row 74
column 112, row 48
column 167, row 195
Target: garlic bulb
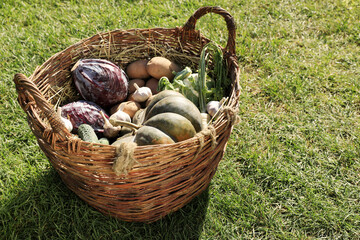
column 67, row 122
column 141, row 94
column 121, row 115
column 212, row 107
column 109, row 130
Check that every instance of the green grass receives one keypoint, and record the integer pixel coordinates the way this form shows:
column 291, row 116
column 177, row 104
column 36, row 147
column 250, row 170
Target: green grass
column 291, row 169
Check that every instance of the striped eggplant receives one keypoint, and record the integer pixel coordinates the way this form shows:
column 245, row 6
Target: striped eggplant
column 100, row 81
column 84, row 112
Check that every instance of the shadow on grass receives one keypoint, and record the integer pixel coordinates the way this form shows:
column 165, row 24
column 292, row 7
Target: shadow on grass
column 43, row 207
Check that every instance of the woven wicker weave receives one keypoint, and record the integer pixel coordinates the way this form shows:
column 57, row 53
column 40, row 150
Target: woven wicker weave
column 164, row 177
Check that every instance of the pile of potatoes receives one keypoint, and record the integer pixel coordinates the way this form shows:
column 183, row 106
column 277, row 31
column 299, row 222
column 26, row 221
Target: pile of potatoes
column 144, row 73
column 147, row 73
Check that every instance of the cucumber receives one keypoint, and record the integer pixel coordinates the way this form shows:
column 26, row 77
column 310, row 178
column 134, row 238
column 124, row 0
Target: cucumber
column 87, row 133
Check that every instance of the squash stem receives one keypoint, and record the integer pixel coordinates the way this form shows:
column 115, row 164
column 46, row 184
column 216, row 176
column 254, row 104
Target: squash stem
column 116, row 123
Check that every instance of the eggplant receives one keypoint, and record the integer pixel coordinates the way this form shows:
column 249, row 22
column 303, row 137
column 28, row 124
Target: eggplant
column 100, row 81
column 84, row 112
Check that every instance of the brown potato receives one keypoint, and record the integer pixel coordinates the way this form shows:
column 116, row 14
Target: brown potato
column 130, row 97
column 137, row 69
column 139, row 82
column 129, row 107
column 159, row 67
column 152, row 83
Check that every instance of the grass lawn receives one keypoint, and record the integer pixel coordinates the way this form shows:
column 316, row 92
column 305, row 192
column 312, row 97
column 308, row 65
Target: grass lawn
column 291, row 169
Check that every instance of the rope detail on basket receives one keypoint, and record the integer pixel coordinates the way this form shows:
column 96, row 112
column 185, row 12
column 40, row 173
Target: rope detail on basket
column 125, row 158
column 208, row 131
column 232, row 115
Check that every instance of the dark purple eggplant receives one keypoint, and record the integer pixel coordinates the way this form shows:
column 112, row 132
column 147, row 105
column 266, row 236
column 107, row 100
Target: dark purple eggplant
column 100, row 81
column 84, row 112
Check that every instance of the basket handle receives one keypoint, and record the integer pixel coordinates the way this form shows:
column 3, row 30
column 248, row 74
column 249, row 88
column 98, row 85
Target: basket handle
column 230, row 23
column 25, row 87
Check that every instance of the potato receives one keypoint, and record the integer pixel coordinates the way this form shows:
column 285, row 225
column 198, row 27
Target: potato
column 152, row 83
column 159, row 67
column 129, row 107
column 139, row 82
column 130, row 97
column 137, row 69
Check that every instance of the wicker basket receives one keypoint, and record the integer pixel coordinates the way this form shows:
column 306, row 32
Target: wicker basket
column 164, row 177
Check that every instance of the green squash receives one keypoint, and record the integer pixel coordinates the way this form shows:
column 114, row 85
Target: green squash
column 169, row 118
column 177, row 127
column 161, row 95
column 179, row 105
column 147, row 135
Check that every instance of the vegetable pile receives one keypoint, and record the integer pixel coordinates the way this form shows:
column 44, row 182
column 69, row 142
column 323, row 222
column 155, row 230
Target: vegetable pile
column 154, row 101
